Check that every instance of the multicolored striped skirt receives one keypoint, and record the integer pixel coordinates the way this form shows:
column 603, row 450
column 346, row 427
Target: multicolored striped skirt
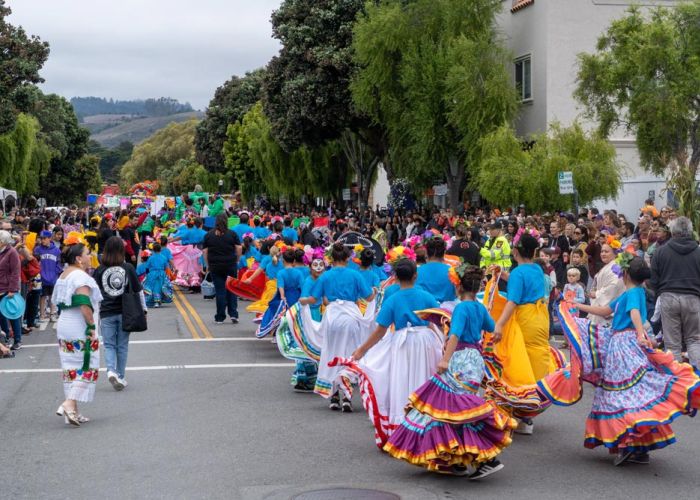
column 449, row 423
column 638, row 391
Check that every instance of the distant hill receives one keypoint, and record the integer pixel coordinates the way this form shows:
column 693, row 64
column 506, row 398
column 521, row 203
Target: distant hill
column 137, row 129
column 163, row 106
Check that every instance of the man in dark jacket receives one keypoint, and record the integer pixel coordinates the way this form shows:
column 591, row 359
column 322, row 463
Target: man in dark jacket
column 675, row 276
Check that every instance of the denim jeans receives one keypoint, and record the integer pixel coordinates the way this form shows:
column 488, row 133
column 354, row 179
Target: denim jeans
column 16, row 327
column 224, row 299
column 116, row 344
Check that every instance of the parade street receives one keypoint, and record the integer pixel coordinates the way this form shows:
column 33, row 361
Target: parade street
column 209, row 413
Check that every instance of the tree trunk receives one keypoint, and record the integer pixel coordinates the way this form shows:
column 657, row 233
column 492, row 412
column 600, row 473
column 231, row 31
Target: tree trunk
column 456, row 182
column 364, row 165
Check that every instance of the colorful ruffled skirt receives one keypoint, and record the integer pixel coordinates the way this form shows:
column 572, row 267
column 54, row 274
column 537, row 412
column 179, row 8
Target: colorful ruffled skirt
column 260, row 306
column 391, row 370
column 306, row 366
column 638, row 391
column 448, row 423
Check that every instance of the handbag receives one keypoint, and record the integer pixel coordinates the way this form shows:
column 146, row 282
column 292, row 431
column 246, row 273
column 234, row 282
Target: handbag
column 133, row 315
column 208, row 290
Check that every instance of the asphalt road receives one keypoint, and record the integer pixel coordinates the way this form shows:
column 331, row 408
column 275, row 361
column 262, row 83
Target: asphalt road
column 209, row 413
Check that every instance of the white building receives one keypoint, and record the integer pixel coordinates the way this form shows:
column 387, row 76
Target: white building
column 545, row 37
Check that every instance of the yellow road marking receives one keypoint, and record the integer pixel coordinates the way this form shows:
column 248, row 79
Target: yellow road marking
column 195, row 315
column 186, row 318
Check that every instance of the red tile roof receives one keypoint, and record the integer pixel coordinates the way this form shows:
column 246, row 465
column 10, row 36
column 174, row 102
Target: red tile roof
column 520, row 4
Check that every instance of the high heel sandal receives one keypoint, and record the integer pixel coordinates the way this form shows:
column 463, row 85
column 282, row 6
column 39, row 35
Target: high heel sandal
column 70, row 417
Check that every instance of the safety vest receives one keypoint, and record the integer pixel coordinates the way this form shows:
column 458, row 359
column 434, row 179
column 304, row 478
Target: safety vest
column 496, row 252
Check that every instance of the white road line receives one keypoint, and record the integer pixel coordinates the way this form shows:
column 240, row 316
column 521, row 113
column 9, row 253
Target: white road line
column 163, row 341
column 163, row 367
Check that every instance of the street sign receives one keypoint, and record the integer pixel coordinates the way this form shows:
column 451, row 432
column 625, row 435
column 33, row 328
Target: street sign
column 346, row 195
column 566, row 183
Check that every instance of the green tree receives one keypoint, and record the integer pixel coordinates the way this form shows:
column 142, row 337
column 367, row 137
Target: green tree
column 644, row 77
column 262, row 166
column 510, row 174
column 24, row 158
column 111, row 160
column 306, row 93
column 230, row 103
column 21, row 58
column 434, row 71
column 160, row 151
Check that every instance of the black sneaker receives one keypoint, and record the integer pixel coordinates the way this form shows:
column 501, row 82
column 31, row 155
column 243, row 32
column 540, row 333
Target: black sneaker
column 335, row 403
column 303, row 388
column 486, row 469
column 622, row 457
column 639, row 458
column 16, row 346
column 347, row 406
column 459, row 470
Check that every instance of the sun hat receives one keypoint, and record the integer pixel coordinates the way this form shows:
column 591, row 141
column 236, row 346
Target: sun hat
column 12, row 307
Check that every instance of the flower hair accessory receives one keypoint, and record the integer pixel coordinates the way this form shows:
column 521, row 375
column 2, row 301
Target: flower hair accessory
column 248, row 235
column 614, row 243
column 401, row 252
column 622, row 263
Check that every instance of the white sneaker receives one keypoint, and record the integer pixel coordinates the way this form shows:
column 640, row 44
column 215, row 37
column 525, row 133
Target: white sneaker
column 525, row 427
column 123, row 382
column 113, row 379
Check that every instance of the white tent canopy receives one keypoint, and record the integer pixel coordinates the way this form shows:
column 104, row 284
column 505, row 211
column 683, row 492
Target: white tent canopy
column 5, row 194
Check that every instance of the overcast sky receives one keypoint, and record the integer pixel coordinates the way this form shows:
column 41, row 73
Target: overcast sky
column 130, row 49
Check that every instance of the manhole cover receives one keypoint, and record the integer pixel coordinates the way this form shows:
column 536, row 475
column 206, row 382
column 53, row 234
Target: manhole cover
column 346, row 494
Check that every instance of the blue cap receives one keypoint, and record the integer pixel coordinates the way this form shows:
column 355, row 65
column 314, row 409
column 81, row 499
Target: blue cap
column 45, row 234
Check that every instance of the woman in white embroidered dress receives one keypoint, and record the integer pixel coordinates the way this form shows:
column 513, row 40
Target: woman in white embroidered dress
column 78, row 297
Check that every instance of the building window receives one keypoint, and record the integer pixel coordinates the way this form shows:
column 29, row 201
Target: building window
column 523, row 78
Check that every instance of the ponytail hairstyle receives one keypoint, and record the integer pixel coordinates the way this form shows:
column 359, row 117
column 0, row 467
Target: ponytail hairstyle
column 339, row 252
column 367, row 258
column 471, row 278
column 275, row 254
column 247, row 242
column 71, row 253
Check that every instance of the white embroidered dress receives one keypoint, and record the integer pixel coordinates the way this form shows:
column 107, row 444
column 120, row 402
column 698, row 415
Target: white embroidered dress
column 78, row 384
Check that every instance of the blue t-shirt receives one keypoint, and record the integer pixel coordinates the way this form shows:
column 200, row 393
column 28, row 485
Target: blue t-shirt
column 252, row 252
column 391, row 290
column 193, row 236
column 271, row 269
column 526, row 284
column 469, row 318
column 290, row 278
column 157, row 262
column 379, row 271
column 307, row 291
column 165, row 252
column 341, row 283
column 289, row 233
column 242, row 229
column 261, row 232
column 370, row 277
column 634, row 298
column 433, row 277
column 305, row 271
column 399, row 308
